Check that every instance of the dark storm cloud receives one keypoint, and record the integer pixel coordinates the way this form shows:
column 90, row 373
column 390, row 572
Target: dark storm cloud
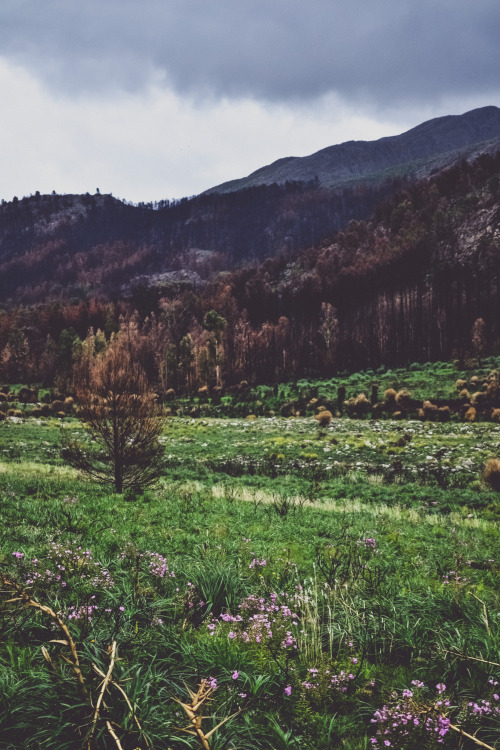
column 378, row 51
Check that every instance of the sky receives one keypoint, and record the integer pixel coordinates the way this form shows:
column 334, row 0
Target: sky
column 157, row 99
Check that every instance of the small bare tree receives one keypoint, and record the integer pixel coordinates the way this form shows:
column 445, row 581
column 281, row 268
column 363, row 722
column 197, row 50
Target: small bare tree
column 120, row 413
column 329, row 330
column 479, row 338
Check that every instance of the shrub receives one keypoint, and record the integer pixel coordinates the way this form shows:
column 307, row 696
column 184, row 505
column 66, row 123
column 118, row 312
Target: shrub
column 68, row 404
column 491, row 474
column 324, row 418
column 430, row 411
column 390, row 396
column 28, row 395
column 470, row 414
column 169, row 394
column 403, row 399
column 478, row 398
column 444, row 414
column 288, row 409
column 461, row 384
column 464, row 395
column 495, row 415
column 358, row 406
column 362, row 404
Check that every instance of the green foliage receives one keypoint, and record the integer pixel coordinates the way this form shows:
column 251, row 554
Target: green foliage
column 388, row 560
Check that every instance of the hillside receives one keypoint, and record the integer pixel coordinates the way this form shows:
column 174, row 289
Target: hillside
column 82, row 246
column 409, row 285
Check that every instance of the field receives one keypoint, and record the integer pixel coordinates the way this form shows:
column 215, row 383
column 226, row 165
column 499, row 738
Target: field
column 328, row 588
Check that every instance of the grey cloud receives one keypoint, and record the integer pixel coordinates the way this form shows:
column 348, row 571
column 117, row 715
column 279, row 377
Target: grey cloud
column 376, row 51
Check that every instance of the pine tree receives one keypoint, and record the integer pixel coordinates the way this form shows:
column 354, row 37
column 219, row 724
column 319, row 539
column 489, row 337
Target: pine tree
column 120, row 413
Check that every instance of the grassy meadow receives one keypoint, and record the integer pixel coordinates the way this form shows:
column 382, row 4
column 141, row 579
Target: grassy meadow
column 312, row 587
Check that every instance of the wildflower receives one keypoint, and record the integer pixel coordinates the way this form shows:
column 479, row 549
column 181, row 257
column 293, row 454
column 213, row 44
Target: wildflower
column 288, row 690
column 440, row 687
column 235, row 675
column 211, row 682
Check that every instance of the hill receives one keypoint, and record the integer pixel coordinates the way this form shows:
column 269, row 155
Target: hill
column 79, row 246
column 408, row 285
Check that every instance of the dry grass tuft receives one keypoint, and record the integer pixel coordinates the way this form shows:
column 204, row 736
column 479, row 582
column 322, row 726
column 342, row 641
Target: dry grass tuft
column 324, row 418
column 491, row 474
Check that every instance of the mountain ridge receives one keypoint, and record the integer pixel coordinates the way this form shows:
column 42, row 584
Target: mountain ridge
column 427, row 144
column 73, row 246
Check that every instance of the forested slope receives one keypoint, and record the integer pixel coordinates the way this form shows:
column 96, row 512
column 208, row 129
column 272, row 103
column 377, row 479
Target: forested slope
column 408, row 285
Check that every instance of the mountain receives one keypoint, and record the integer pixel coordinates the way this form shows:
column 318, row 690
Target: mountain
column 81, row 246
column 417, row 153
column 409, row 284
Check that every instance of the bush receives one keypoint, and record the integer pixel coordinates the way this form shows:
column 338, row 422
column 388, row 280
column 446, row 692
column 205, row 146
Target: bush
column 470, row 414
column 491, row 474
column 390, row 396
column 324, row 418
column 68, row 404
column 444, row 414
column 403, row 399
column 430, row 411
column 478, row 398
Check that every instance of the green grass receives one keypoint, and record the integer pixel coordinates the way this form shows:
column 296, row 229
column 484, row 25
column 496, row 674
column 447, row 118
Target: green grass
column 419, row 602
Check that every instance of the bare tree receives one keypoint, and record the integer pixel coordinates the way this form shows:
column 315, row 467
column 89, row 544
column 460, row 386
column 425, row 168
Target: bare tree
column 329, row 330
column 120, row 413
column 479, row 338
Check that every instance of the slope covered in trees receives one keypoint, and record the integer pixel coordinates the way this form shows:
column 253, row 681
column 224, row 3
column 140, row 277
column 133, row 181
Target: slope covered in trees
column 82, row 246
column 76, row 246
column 408, row 285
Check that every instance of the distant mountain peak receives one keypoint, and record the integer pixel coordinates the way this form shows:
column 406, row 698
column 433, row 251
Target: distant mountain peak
column 418, row 152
